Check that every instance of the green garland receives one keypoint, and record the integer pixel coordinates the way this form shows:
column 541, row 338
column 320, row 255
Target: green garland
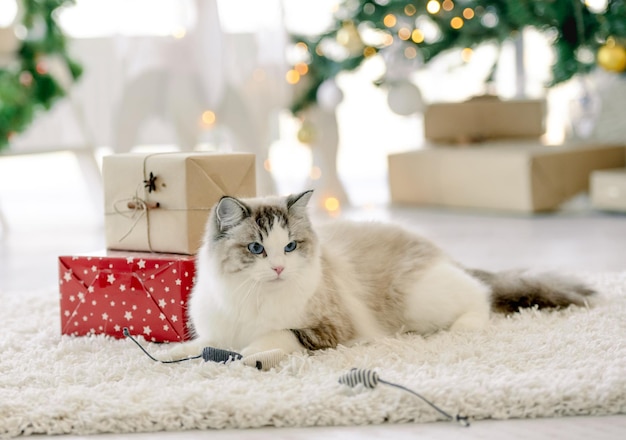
column 570, row 23
column 26, row 85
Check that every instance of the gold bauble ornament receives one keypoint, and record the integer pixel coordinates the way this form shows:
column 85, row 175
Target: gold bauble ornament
column 612, row 56
column 306, row 134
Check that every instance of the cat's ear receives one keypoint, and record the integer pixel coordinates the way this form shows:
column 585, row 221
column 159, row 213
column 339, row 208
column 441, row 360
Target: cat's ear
column 298, row 202
column 230, row 212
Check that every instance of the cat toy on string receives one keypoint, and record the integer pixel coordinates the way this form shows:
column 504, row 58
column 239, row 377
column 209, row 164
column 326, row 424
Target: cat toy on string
column 261, row 361
column 271, row 358
column 370, row 379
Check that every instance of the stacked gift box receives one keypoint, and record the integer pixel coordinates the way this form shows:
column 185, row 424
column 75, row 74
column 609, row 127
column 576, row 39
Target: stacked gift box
column 486, row 153
column 156, row 208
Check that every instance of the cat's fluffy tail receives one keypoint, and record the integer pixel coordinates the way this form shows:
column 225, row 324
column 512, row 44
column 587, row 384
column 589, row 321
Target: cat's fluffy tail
column 512, row 290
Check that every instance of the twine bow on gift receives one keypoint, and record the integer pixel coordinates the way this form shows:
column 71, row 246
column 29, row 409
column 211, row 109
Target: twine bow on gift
column 136, row 208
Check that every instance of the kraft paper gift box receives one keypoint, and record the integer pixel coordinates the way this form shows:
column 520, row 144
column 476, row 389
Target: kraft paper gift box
column 160, row 202
column 512, row 177
column 102, row 294
column 608, row 189
column 483, row 118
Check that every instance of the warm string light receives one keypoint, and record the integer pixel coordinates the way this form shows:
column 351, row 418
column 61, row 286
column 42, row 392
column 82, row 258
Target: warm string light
column 292, row 76
column 447, row 5
column 433, row 6
column 404, row 33
column 369, row 51
column 417, row 36
column 301, row 68
column 456, row 23
column 390, row 20
column 332, row 205
column 207, row 119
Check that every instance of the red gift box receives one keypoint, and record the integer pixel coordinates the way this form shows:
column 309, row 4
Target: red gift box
column 146, row 292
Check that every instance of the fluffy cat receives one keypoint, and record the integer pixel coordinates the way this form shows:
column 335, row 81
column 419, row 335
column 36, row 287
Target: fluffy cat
column 266, row 279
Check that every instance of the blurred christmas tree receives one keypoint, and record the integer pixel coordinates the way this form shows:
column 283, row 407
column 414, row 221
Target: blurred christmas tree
column 35, row 69
column 407, row 34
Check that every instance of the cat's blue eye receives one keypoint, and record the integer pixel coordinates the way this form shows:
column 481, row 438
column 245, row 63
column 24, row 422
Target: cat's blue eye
column 290, row 246
column 256, row 248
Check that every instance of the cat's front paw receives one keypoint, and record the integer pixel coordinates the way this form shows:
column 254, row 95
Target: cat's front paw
column 276, row 340
column 265, row 360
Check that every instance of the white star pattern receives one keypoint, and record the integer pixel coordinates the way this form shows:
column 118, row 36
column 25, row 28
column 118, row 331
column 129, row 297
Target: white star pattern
column 108, row 302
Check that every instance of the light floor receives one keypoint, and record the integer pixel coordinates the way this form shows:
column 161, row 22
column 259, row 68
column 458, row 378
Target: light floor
column 53, row 215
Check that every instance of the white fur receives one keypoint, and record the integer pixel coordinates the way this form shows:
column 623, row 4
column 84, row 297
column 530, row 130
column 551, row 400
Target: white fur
column 445, row 296
column 253, row 310
column 249, row 311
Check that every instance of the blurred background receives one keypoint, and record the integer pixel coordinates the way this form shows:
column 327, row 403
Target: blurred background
column 321, row 91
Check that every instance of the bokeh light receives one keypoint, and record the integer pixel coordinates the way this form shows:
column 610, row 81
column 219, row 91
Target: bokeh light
column 433, row 7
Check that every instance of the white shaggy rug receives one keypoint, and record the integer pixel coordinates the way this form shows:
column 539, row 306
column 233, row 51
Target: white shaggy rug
column 534, row 364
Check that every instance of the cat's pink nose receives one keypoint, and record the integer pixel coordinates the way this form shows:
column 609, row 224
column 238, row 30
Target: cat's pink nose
column 278, row 269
